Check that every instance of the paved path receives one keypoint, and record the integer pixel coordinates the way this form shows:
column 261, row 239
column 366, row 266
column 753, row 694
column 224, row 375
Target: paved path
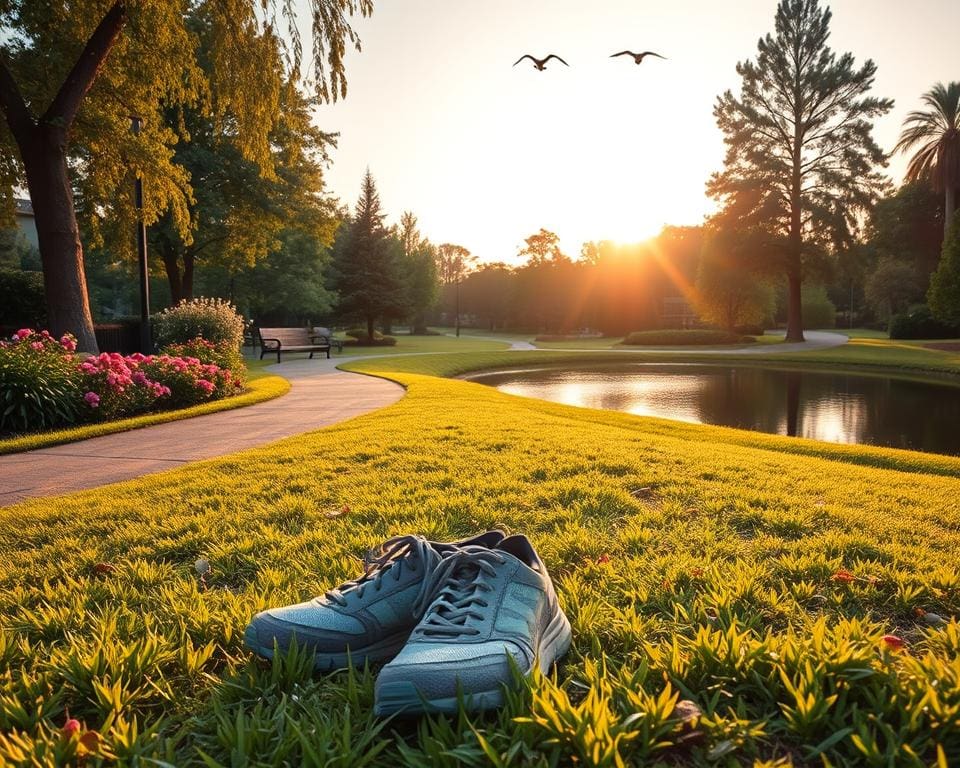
column 320, row 396
column 814, row 340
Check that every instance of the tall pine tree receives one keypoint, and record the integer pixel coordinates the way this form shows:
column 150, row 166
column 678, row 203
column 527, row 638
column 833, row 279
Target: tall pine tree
column 801, row 160
column 366, row 264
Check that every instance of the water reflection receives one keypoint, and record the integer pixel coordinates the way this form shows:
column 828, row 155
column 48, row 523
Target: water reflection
column 836, row 407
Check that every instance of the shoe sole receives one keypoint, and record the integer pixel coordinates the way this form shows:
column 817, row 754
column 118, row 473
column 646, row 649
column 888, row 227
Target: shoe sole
column 378, row 653
column 404, row 698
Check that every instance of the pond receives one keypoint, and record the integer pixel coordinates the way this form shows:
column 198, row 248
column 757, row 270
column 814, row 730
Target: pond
column 832, row 406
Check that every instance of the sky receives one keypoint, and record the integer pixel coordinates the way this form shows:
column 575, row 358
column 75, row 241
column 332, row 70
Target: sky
column 485, row 153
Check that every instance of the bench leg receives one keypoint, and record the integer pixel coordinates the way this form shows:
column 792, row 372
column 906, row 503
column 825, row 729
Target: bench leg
column 328, row 353
column 262, row 353
column 311, row 356
column 278, row 355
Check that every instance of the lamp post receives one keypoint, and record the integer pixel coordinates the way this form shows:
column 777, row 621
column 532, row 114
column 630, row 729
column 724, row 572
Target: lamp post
column 146, row 344
column 458, row 306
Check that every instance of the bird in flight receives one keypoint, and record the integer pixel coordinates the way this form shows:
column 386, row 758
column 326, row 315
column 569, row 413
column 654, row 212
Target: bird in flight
column 540, row 64
column 638, row 57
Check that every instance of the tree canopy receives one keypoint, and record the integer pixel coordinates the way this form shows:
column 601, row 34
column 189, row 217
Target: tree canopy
column 801, row 162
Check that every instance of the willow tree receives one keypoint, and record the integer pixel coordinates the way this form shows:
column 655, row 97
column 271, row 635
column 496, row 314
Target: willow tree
column 73, row 73
column 801, row 161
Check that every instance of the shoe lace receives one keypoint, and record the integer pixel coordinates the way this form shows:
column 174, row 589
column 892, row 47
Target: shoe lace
column 395, row 554
column 458, row 589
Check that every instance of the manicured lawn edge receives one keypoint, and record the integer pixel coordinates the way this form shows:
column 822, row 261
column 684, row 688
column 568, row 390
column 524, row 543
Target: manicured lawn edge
column 452, row 366
column 257, row 391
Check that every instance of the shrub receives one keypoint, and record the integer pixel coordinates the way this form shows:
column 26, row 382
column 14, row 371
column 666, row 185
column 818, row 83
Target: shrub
column 678, row 338
column 113, row 387
column 919, row 323
column 221, row 355
column 359, row 338
column 944, row 292
column 818, row 311
column 749, row 330
column 215, row 320
column 22, row 298
column 189, row 380
column 39, row 388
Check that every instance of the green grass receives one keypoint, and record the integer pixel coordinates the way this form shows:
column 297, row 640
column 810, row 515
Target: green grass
column 260, row 387
column 694, row 562
column 407, row 345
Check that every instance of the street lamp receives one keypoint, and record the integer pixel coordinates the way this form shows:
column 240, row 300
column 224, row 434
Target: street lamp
column 146, row 344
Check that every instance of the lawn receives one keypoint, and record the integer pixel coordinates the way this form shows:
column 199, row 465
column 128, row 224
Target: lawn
column 802, row 594
column 422, row 344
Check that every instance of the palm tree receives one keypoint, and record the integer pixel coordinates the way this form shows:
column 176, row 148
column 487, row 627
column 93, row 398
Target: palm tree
column 935, row 133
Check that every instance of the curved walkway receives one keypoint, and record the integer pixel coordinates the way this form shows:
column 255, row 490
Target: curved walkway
column 320, row 396
column 814, row 340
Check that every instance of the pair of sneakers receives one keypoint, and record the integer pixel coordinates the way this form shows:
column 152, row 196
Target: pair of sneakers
column 449, row 621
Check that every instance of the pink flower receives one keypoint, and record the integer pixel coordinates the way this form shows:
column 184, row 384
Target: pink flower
column 36, row 345
column 22, row 334
column 92, row 399
column 139, row 378
column 206, row 386
column 68, row 342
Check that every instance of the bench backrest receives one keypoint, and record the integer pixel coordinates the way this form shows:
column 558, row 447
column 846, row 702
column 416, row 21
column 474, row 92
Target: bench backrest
column 289, row 337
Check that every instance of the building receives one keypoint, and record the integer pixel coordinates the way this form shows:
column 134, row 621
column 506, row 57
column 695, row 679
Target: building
column 26, row 223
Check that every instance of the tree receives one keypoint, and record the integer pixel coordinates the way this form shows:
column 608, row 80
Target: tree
column 68, row 88
column 542, row 246
column 934, row 135
column 908, row 225
column 420, row 271
column 366, row 266
column 944, row 295
column 453, row 263
column 488, row 294
column 890, row 287
column 728, row 293
column 238, row 215
column 800, row 161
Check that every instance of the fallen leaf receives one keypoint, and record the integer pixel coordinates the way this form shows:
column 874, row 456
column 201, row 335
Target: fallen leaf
column 686, row 710
column 843, row 576
column 642, row 493
column 604, row 558
column 344, row 510
column 101, row 569
column 91, row 740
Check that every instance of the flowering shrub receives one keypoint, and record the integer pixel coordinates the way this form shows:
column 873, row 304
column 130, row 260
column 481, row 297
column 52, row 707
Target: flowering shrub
column 114, row 386
column 221, row 355
column 189, row 380
column 215, row 320
column 38, row 383
column 44, row 384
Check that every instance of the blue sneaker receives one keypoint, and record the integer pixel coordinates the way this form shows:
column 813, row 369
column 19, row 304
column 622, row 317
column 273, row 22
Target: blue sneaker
column 370, row 618
column 491, row 609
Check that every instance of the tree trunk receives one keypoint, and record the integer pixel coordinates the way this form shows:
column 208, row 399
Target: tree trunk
column 64, row 281
column 43, row 149
column 171, row 265
column 189, row 262
column 794, row 299
column 949, row 209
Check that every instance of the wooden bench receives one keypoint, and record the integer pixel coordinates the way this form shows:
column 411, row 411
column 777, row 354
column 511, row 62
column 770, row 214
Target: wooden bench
column 280, row 340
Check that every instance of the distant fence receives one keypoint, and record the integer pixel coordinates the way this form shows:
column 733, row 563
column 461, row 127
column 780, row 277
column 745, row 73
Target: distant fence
column 111, row 337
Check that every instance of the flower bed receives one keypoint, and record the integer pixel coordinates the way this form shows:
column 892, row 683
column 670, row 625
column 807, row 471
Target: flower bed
column 46, row 385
